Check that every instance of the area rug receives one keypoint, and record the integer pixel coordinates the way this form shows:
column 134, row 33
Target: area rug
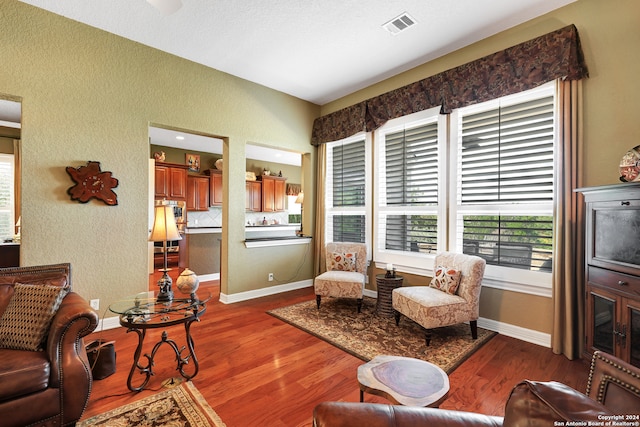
column 367, row 334
column 178, row 406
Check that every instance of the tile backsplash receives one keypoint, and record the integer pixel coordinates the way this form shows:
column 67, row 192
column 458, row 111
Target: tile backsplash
column 213, row 218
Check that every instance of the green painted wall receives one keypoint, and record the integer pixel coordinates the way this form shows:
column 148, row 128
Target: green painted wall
column 89, row 95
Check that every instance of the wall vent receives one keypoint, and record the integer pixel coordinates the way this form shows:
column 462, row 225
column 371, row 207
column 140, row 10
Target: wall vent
column 399, row 24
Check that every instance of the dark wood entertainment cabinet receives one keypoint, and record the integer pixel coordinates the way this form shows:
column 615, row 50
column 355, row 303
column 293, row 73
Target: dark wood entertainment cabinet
column 612, row 262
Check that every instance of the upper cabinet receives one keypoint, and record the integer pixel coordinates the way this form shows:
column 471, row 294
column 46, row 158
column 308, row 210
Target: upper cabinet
column 197, row 193
column 215, row 187
column 171, row 181
column 273, row 193
column 254, row 196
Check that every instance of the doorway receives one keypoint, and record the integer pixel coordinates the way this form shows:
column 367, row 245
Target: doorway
column 10, row 179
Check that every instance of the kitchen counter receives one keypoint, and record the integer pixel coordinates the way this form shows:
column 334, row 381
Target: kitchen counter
column 203, row 230
column 283, row 229
column 261, row 242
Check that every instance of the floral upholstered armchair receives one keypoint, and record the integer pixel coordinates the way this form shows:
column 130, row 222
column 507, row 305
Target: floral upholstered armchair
column 346, row 265
column 452, row 297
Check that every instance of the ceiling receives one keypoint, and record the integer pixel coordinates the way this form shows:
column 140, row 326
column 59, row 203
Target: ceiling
column 316, row 50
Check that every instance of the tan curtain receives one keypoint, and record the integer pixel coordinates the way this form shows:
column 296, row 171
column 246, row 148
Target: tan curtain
column 319, row 237
column 17, row 178
column 568, row 258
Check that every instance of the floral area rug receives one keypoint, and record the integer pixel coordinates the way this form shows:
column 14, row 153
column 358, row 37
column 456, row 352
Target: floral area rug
column 367, row 334
column 178, row 406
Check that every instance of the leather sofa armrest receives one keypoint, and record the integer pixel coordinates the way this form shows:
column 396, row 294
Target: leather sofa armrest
column 541, row 404
column 347, row 414
column 74, row 320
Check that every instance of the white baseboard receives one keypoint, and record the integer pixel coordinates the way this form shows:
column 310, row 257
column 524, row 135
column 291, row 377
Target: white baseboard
column 209, row 277
column 108, row 323
column 523, row 334
column 272, row 290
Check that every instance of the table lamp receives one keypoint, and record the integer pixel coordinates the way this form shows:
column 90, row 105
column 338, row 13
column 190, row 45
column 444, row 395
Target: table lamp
column 300, row 200
column 164, row 229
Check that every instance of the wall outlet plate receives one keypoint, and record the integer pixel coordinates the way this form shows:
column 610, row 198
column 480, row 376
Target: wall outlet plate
column 95, row 304
column 271, row 277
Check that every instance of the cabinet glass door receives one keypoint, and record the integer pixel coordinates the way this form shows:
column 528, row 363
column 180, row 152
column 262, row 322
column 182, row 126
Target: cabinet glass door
column 603, row 320
column 634, row 336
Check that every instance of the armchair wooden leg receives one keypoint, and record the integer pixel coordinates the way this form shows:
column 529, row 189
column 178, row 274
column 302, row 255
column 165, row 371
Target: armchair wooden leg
column 359, row 304
column 396, row 315
column 474, row 329
column 318, row 298
column 427, row 336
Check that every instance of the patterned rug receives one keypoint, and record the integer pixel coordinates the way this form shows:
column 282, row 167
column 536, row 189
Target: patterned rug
column 366, row 335
column 178, row 406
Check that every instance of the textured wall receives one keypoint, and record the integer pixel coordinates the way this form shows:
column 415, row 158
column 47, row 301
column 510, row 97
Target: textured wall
column 89, row 95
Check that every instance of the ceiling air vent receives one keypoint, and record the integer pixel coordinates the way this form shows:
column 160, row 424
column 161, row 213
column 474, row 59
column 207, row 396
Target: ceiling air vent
column 399, row 24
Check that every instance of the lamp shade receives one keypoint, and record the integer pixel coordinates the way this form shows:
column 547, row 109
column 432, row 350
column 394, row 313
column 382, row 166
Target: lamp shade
column 164, row 225
column 300, row 198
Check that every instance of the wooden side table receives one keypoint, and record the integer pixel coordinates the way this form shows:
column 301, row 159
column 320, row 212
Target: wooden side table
column 386, row 285
column 404, row 381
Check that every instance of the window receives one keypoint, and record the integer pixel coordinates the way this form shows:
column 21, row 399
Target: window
column 504, row 164
column 479, row 181
column 409, row 189
column 7, row 226
column 346, row 197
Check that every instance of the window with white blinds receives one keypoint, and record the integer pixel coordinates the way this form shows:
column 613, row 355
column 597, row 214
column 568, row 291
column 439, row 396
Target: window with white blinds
column 7, row 226
column 346, row 195
column 505, row 164
column 408, row 189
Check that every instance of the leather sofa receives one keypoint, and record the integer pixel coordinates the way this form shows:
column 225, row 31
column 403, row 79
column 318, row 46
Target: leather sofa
column 49, row 387
column 613, row 390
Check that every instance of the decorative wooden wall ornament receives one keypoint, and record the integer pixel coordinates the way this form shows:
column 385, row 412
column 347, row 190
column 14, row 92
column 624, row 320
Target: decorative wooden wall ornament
column 92, row 182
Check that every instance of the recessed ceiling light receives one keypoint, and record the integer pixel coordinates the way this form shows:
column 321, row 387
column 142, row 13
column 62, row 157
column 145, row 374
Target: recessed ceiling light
column 399, row 23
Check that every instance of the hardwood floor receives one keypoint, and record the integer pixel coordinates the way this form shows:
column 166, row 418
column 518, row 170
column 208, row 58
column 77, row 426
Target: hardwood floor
column 255, row 370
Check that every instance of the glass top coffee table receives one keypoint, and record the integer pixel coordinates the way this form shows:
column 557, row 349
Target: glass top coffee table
column 143, row 311
column 404, row 381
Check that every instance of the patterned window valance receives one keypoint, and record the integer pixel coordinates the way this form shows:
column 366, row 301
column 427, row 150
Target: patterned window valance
column 556, row 55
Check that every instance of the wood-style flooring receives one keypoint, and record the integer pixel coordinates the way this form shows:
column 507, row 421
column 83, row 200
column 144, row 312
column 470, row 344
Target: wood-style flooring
column 256, row 370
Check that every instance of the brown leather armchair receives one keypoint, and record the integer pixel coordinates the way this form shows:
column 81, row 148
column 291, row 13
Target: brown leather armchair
column 49, row 387
column 613, row 390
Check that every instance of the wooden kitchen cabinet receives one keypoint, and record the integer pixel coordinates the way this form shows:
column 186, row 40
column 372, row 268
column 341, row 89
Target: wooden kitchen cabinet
column 170, row 181
column 274, row 193
column 254, row 196
column 215, row 187
column 612, row 233
column 198, row 193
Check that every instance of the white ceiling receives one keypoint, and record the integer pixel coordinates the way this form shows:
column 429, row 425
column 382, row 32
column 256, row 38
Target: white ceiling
column 191, row 142
column 316, row 50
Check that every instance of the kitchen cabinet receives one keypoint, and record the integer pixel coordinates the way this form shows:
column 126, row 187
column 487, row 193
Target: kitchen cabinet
column 612, row 233
column 198, row 193
column 273, row 193
column 215, row 187
column 170, row 181
column 254, row 196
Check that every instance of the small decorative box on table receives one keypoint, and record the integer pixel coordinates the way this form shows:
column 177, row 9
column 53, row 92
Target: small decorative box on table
column 386, row 285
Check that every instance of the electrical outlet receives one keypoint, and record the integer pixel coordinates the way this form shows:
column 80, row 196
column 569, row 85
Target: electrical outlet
column 95, row 304
column 271, row 277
